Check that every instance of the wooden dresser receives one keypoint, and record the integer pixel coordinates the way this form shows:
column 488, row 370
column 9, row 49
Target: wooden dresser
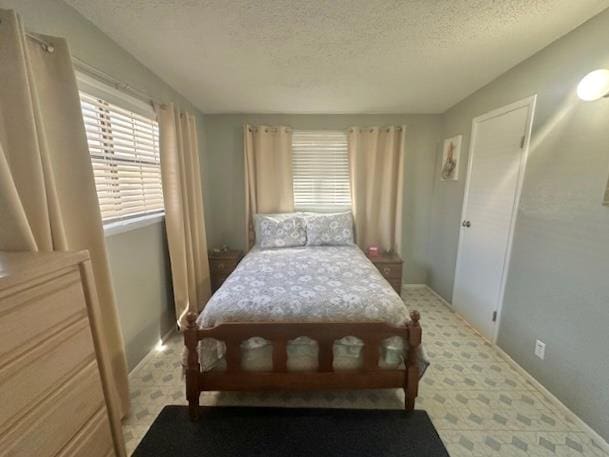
column 222, row 264
column 390, row 266
column 52, row 400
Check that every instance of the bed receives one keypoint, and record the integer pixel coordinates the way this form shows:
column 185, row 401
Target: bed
column 303, row 318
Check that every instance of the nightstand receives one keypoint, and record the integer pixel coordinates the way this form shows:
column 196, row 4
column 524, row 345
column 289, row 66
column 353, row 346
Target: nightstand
column 222, row 264
column 390, row 266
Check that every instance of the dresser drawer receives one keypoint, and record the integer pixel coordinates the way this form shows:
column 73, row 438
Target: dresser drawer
column 54, row 301
column 29, row 379
column 390, row 270
column 52, row 401
column 53, row 423
column 93, row 440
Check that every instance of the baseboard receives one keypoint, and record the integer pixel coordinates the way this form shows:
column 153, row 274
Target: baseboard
column 413, row 286
column 598, row 440
column 168, row 334
column 163, row 339
column 440, row 297
column 139, row 364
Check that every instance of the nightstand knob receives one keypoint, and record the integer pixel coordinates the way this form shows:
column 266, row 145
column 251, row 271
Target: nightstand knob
column 386, row 270
column 221, row 266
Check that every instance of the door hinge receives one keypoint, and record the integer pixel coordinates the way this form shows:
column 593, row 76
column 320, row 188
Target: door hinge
column 494, row 316
column 522, row 140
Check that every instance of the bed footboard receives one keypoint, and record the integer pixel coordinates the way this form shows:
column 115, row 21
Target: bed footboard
column 370, row 376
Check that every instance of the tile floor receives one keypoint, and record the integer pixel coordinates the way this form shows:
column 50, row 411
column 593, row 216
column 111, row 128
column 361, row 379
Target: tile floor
column 479, row 404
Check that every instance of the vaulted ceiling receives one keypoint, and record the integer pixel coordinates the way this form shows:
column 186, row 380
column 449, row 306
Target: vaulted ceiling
column 333, row 56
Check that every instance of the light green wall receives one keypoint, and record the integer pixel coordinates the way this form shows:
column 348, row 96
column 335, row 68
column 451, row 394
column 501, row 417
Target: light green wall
column 139, row 264
column 224, row 174
column 557, row 288
column 138, row 259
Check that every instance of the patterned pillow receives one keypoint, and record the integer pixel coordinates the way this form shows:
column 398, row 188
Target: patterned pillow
column 330, row 229
column 280, row 230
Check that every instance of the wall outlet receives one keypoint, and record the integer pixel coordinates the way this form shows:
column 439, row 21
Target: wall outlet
column 540, row 349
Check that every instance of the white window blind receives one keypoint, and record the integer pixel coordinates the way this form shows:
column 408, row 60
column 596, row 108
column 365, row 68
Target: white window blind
column 320, row 166
column 124, row 148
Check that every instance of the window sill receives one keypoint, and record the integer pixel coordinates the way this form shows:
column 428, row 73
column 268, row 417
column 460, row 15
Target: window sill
column 134, row 223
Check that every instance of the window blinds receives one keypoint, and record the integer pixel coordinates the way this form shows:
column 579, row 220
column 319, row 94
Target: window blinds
column 321, row 171
column 124, row 148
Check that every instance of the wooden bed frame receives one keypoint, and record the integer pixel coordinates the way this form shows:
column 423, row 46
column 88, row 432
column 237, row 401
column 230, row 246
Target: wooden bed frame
column 370, row 376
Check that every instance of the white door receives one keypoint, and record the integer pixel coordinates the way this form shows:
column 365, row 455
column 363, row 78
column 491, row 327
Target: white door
column 497, row 159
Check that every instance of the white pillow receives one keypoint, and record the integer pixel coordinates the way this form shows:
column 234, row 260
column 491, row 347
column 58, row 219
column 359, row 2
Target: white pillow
column 280, row 230
column 334, row 229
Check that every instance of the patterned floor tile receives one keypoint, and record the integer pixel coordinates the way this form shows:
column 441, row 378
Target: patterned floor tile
column 479, row 404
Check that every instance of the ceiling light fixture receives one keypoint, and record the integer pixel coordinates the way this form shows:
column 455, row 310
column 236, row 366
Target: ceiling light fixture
column 594, row 85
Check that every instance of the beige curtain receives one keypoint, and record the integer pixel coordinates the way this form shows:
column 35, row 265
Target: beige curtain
column 48, row 200
column 376, row 160
column 184, row 217
column 268, row 173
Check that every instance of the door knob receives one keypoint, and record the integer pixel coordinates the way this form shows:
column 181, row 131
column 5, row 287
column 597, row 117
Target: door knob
column 466, row 224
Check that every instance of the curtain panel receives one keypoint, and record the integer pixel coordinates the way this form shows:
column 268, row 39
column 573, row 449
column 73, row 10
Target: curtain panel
column 376, row 161
column 184, row 213
column 48, row 200
column 268, row 173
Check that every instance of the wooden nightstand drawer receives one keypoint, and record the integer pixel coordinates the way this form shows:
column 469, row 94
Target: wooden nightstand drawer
column 396, row 284
column 217, row 281
column 221, row 265
column 390, row 266
column 390, row 270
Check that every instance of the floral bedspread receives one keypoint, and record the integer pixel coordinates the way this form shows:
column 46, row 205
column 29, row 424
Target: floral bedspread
column 305, row 284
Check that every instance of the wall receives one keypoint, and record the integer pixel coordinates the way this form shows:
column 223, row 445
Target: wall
column 139, row 264
column 138, row 259
column 557, row 288
column 225, row 198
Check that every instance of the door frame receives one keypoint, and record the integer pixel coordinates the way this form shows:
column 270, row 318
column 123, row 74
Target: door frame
column 531, row 103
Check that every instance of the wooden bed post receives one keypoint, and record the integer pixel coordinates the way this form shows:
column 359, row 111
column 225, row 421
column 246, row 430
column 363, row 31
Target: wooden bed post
column 192, row 368
column 411, row 388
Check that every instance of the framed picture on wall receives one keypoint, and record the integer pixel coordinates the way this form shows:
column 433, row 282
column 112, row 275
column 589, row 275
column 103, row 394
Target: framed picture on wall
column 450, row 158
column 606, row 199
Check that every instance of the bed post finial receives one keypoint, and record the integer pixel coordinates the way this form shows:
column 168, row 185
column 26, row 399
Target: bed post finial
column 415, row 317
column 191, row 318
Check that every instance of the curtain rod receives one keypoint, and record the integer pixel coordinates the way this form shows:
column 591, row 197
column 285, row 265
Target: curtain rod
column 48, row 47
column 253, row 128
column 96, row 73
column 104, row 77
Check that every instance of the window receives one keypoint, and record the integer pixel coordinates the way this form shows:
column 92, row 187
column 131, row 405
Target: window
column 320, row 165
column 124, row 148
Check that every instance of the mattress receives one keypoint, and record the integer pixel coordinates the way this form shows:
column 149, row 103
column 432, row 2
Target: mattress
column 305, row 284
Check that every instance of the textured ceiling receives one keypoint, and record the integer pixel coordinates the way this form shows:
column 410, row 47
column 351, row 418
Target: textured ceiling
column 334, row 56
